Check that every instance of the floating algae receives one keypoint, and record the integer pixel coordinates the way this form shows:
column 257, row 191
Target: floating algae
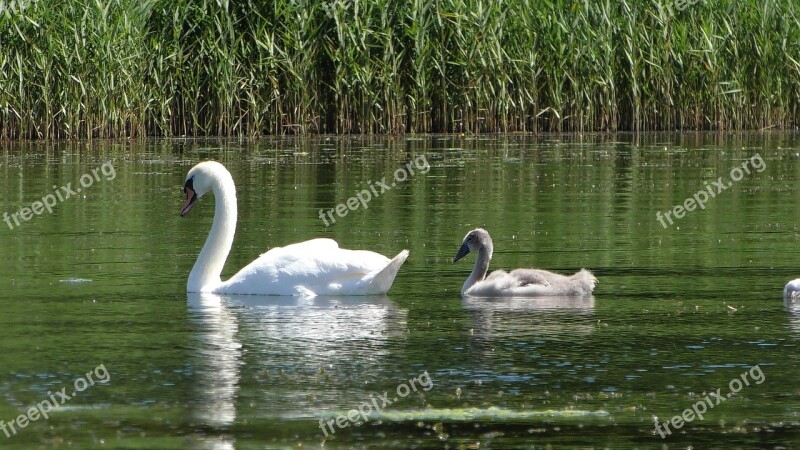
column 481, row 414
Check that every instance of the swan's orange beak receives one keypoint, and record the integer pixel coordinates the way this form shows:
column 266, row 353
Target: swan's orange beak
column 191, row 196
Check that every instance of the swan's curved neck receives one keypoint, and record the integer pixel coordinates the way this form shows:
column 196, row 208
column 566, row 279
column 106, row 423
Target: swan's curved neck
column 205, row 275
column 479, row 271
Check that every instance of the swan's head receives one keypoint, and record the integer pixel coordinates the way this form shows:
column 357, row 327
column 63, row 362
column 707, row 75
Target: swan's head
column 202, row 178
column 475, row 241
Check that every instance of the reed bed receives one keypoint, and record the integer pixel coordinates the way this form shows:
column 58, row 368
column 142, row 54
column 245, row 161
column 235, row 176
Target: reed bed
column 129, row 69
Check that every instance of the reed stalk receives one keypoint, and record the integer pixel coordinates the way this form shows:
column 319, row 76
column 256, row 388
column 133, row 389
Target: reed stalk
column 85, row 69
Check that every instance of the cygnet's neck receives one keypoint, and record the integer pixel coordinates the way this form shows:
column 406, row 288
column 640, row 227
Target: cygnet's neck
column 205, row 275
column 481, row 268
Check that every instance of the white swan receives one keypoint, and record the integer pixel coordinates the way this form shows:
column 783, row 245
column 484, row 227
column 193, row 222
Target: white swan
column 315, row 267
column 792, row 289
column 517, row 283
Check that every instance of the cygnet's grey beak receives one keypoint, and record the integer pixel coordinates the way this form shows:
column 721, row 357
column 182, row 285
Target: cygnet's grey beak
column 462, row 252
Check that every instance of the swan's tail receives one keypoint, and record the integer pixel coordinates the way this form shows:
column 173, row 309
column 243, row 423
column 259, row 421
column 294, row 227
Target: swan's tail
column 383, row 280
column 584, row 282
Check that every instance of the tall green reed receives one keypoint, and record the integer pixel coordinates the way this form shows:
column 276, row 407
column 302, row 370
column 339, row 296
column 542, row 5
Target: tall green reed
column 122, row 68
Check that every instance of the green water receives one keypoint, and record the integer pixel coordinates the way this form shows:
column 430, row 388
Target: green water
column 679, row 312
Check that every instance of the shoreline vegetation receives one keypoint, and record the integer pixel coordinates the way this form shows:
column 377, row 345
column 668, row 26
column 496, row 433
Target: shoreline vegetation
column 83, row 69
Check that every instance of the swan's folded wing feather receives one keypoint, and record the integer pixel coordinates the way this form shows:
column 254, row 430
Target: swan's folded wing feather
column 317, row 265
column 526, row 277
column 533, row 283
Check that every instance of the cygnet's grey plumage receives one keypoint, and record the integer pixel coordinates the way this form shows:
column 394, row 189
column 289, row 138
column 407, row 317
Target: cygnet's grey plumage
column 519, row 282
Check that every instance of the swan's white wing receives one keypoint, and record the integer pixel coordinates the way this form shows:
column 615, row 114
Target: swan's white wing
column 314, row 267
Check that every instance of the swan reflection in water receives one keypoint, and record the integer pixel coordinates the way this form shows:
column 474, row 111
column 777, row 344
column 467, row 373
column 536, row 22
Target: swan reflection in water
column 216, row 366
column 513, row 317
column 792, row 304
column 299, row 334
column 520, row 341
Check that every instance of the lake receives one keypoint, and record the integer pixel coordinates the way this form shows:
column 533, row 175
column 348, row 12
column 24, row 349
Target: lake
column 692, row 237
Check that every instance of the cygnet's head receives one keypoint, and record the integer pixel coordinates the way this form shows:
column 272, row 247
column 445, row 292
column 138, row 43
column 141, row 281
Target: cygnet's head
column 475, row 241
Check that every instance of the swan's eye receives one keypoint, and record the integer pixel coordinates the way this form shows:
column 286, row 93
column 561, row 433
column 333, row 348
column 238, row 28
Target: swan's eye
column 188, row 185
